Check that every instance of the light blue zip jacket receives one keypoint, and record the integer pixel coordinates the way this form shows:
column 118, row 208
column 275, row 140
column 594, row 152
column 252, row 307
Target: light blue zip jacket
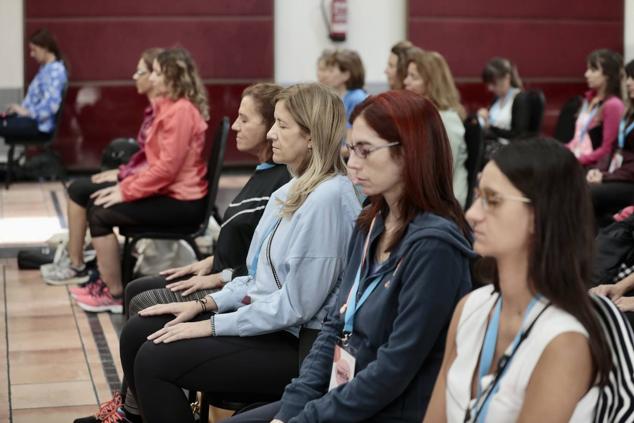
column 309, row 254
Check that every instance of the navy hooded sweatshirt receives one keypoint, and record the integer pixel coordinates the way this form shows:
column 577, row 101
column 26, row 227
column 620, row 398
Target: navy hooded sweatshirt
column 399, row 332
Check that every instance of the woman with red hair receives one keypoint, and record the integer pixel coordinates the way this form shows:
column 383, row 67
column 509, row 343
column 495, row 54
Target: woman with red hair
column 380, row 348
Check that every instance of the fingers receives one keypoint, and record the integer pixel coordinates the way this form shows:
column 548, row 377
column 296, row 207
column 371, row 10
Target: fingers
column 155, row 310
column 178, row 272
column 193, row 288
column 168, row 334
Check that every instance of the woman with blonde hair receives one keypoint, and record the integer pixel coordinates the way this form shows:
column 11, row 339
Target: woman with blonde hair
column 173, row 181
column 428, row 74
column 244, row 338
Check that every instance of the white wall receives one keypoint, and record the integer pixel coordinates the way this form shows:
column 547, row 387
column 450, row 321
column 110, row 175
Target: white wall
column 11, row 44
column 301, row 35
column 628, row 32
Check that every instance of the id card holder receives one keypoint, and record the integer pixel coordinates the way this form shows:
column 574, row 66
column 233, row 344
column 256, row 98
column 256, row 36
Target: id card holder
column 343, row 365
column 616, row 162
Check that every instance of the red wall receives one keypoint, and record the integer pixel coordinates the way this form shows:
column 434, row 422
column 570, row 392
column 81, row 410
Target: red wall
column 231, row 41
column 547, row 39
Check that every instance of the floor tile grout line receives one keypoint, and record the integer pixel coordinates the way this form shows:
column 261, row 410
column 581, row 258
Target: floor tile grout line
column 83, row 347
column 6, row 338
column 105, row 355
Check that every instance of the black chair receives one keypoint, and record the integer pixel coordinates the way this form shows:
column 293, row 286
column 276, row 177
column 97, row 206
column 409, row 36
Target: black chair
column 43, row 142
column 537, row 103
column 474, row 138
column 185, row 232
column 565, row 128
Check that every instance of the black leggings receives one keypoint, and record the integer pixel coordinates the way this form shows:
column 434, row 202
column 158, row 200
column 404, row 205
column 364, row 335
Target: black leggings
column 610, row 197
column 81, row 189
column 263, row 414
column 258, row 367
column 151, row 211
column 21, row 128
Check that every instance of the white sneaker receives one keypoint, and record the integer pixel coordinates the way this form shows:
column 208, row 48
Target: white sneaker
column 64, row 274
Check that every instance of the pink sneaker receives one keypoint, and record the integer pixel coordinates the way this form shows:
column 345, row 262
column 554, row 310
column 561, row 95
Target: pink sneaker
column 100, row 300
column 88, row 289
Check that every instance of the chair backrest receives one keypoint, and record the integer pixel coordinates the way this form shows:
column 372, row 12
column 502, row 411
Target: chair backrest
column 537, row 103
column 616, row 400
column 214, row 169
column 474, row 138
column 59, row 114
column 565, row 128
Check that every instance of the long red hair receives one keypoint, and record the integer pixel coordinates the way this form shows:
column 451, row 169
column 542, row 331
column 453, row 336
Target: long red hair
column 427, row 166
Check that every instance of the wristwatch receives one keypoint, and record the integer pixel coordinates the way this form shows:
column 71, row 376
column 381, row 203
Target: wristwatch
column 226, row 276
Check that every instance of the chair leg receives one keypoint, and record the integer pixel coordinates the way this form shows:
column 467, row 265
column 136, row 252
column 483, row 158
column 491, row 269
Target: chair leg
column 7, row 178
column 204, row 408
column 126, row 263
column 192, row 243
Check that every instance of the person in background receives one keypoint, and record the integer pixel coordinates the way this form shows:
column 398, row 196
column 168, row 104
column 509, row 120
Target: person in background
column 174, row 180
column 509, row 115
column 377, row 357
column 347, row 77
column 612, row 180
column 527, row 347
column 396, row 69
column 428, row 74
column 73, row 270
column 35, row 116
column 323, row 71
column 597, row 126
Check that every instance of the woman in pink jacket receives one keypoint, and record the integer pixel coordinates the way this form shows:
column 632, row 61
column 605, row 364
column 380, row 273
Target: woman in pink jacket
column 170, row 190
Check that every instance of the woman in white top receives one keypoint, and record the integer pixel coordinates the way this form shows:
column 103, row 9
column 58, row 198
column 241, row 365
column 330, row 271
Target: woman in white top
column 528, row 347
column 428, row 74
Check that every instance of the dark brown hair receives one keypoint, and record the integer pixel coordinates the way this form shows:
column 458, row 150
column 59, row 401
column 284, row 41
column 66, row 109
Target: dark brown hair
column 263, row 95
column 349, row 61
column 400, row 51
column 413, row 121
column 46, row 40
column 611, row 64
column 499, row 67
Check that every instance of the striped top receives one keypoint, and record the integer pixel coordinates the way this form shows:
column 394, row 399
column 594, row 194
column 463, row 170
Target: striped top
column 242, row 217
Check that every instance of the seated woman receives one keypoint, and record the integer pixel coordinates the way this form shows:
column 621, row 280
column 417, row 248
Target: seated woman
column 527, row 347
column 35, row 117
column 377, row 357
column 396, row 69
column 347, row 77
column 323, row 71
column 509, row 115
column 255, row 118
column 597, row 125
column 173, row 180
column 428, row 74
column 612, row 181
column 80, row 190
column 295, row 261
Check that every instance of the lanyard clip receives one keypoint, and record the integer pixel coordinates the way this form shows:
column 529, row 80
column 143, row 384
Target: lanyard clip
column 345, row 339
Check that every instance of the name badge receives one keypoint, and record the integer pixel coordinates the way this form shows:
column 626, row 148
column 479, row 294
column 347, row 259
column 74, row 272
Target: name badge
column 616, row 162
column 343, row 365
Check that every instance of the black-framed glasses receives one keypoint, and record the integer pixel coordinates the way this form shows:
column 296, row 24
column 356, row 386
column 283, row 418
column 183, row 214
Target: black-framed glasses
column 491, row 199
column 364, row 150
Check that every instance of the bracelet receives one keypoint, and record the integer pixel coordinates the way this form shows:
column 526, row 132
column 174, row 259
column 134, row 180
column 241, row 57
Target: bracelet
column 203, row 304
column 213, row 324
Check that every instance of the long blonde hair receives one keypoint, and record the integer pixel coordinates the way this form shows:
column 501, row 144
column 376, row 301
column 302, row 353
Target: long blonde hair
column 182, row 77
column 440, row 87
column 320, row 114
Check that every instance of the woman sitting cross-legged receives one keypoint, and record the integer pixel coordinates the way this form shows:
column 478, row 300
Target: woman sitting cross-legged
column 377, row 357
column 244, row 338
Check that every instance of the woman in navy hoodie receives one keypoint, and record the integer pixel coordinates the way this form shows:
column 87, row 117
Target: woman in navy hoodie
column 380, row 349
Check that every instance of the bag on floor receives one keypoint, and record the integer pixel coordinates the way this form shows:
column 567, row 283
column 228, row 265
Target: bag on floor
column 156, row 255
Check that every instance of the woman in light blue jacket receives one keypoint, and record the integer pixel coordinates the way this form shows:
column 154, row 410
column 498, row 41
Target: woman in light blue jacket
column 244, row 338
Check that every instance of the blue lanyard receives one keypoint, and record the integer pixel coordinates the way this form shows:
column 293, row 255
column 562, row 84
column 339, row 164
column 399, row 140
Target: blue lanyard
column 624, row 132
column 253, row 268
column 488, row 352
column 591, row 115
column 495, row 109
column 264, row 166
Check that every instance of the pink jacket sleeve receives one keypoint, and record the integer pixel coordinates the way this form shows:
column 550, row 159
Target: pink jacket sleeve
column 612, row 112
column 173, row 137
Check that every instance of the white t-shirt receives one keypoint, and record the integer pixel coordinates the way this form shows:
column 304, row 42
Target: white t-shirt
column 505, row 404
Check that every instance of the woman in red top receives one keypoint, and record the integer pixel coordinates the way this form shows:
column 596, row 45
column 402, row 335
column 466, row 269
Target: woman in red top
column 74, row 270
column 170, row 189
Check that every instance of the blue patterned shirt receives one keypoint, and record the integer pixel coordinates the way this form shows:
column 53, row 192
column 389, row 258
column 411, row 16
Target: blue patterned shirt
column 44, row 97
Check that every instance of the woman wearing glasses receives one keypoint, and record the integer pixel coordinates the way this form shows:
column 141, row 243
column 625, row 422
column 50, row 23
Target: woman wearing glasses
column 527, row 347
column 379, row 351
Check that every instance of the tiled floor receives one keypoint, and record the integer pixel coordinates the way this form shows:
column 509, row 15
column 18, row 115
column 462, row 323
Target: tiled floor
column 57, row 362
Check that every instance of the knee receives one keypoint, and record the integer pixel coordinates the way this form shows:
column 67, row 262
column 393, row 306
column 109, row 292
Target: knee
column 98, row 222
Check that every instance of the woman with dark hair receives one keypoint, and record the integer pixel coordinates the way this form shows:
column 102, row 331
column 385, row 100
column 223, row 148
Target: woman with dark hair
column 612, row 182
column 396, row 69
column 380, row 349
column 597, row 125
column 73, row 269
column 508, row 117
column 173, row 181
column 528, row 347
column 35, row 117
